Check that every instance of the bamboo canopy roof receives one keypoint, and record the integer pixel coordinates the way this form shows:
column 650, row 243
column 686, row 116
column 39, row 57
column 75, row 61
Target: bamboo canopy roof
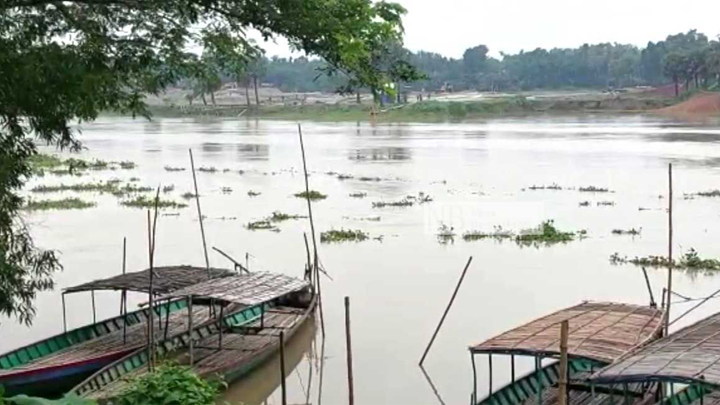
column 688, row 355
column 165, row 280
column 245, row 289
column 601, row 331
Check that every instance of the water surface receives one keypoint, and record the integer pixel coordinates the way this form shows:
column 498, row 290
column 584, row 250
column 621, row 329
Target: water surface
column 399, row 286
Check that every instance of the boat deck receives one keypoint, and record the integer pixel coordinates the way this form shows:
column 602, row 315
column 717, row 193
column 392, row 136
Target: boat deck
column 581, row 397
column 109, row 344
column 236, row 349
column 711, row 398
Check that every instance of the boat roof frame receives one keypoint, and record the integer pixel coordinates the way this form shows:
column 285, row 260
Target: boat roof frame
column 594, row 327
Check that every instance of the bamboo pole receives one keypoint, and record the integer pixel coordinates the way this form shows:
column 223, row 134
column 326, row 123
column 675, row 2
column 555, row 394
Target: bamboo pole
column 237, row 264
column 309, row 273
column 447, row 309
column 512, row 368
column 490, row 375
column 151, row 313
column 647, row 283
column 322, row 368
column 92, row 298
column 474, row 369
column 190, row 328
column 562, row 383
column 124, row 293
column 670, row 252
column 151, row 309
column 348, row 349
column 199, row 211
column 64, row 313
column 538, row 367
column 312, row 229
column 282, row 367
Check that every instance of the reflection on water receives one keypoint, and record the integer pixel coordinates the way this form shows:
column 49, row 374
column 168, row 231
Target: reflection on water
column 380, row 154
column 258, row 387
column 400, row 278
column 250, row 151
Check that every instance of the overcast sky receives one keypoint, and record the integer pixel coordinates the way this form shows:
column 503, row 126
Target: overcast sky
column 449, row 27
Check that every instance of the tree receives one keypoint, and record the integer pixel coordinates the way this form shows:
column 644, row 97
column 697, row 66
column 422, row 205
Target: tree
column 474, row 60
column 675, row 67
column 63, row 61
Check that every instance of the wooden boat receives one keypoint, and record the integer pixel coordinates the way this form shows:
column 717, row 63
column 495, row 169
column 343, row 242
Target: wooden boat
column 254, row 310
column 685, row 362
column 599, row 334
column 52, row 366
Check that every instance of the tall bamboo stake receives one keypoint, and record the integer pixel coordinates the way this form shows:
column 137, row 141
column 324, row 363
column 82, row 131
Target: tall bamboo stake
column 348, row 349
column 282, row 367
column 199, row 211
column 123, row 299
column 312, row 229
column 447, row 309
column 562, row 383
column 322, row 368
column 670, row 252
column 151, row 313
column 64, row 313
column 309, row 273
column 190, row 328
column 92, row 297
column 151, row 292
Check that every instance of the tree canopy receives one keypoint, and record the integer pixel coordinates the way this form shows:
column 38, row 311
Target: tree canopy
column 599, row 66
column 67, row 61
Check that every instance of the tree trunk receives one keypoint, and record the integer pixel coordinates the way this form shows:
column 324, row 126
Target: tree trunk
column 212, row 97
column 202, row 95
column 247, row 92
column 697, row 82
column 687, row 84
column 257, row 97
column 357, row 97
column 677, row 90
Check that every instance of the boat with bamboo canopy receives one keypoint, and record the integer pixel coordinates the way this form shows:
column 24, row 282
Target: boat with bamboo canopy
column 53, row 365
column 686, row 362
column 252, row 312
column 599, row 333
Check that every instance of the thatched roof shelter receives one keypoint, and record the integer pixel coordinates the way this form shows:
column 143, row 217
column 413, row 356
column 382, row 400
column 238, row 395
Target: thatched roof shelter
column 601, row 331
column 245, row 289
column 689, row 355
column 165, row 280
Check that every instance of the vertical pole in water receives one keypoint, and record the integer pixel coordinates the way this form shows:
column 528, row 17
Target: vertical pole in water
column 312, row 229
column 562, row 383
column 670, row 252
column 92, row 298
column 151, row 310
column 64, row 314
column 348, row 348
column 512, row 368
column 282, row 367
column 452, row 299
column 190, row 328
column 474, row 393
column 538, row 369
column 151, row 293
column 220, row 327
column 309, row 272
column 490, row 368
column 124, row 293
column 200, row 217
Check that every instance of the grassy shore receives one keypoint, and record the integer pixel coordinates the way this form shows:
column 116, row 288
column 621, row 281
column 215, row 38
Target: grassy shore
column 427, row 111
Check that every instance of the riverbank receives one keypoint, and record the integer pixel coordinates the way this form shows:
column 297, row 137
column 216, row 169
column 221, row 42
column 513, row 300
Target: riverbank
column 431, row 110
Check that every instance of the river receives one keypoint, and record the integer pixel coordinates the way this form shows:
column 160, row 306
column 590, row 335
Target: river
column 400, row 280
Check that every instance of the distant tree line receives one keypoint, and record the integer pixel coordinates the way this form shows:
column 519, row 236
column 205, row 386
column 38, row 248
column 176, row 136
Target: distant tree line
column 687, row 59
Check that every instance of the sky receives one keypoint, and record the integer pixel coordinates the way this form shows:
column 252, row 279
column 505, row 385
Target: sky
column 448, row 27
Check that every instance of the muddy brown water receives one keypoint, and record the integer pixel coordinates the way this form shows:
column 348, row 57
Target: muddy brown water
column 475, row 173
